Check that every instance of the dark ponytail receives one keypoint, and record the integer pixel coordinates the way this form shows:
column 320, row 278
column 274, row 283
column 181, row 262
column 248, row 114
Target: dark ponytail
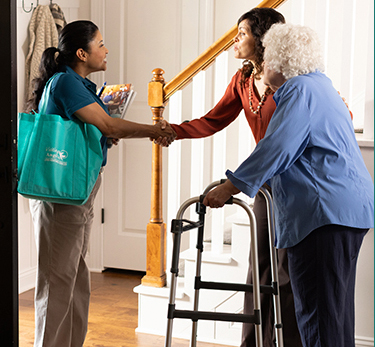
column 259, row 19
column 73, row 36
column 47, row 68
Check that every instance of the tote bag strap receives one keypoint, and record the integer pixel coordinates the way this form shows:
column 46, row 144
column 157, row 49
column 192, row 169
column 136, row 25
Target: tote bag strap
column 46, row 94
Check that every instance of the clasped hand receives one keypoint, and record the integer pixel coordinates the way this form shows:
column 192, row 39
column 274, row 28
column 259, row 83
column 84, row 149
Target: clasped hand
column 164, row 134
column 220, row 195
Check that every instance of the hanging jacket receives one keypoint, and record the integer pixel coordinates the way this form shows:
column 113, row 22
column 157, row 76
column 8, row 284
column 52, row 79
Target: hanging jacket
column 42, row 34
column 58, row 16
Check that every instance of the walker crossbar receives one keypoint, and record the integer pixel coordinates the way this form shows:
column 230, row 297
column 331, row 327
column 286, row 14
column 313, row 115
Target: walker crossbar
column 217, row 316
column 179, row 227
column 239, row 287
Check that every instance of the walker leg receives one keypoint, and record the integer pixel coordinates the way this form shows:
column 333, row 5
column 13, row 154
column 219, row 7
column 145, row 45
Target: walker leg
column 194, row 327
column 256, row 282
column 258, row 335
column 168, row 337
column 194, row 330
column 177, row 228
column 274, row 270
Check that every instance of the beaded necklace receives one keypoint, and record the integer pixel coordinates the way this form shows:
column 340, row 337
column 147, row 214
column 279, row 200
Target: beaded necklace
column 251, row 95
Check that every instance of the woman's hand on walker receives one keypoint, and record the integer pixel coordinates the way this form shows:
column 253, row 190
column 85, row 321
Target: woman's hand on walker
column 220, row 195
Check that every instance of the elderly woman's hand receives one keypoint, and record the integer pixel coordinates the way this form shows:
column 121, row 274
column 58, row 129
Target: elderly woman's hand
column 220, row 195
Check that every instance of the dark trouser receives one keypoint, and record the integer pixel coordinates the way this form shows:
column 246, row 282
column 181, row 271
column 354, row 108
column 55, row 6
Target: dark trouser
column 322, row 270
column 290, row 329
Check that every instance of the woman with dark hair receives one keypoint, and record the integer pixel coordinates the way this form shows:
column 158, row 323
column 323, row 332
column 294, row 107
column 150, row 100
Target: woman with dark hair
column 62, row 232
column 247, row 92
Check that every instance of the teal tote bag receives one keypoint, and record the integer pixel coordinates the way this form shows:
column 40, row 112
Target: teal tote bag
column 58, row 159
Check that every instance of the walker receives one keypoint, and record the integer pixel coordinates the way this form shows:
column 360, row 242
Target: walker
column 179, row 226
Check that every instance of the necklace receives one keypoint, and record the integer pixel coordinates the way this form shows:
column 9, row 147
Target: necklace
column 263, row 97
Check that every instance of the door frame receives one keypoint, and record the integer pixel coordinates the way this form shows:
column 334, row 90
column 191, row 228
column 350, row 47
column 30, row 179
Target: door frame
column 8, row 182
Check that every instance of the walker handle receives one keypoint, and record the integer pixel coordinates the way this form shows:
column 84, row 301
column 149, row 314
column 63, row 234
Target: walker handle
column 228, row 202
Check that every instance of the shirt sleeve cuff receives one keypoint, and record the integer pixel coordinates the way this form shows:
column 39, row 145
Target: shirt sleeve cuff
column 241, row 185
column 176, row 128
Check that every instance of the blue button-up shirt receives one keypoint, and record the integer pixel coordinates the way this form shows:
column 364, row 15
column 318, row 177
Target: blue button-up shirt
column 312, row 159
column 69, row 93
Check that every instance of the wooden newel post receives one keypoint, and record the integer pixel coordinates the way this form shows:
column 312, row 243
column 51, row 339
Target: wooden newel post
column 156, row 228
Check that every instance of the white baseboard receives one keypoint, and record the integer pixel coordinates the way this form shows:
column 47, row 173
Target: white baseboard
column 361, row 341
column 26, row 280
column 98, row 270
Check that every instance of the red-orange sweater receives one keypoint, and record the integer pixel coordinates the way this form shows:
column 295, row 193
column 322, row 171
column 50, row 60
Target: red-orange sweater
column 227, row 110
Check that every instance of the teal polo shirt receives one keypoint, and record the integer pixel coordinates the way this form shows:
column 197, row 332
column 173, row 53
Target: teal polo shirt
column 69, row 93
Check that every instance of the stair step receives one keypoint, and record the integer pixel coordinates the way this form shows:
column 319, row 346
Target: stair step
column 208, row 255
column 240, row 217
column 162, row 292
column 227, row 238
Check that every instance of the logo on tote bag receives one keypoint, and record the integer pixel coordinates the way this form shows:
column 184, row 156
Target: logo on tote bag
column 57, row 156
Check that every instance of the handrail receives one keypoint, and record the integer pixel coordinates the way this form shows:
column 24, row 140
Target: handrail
column 207, row 57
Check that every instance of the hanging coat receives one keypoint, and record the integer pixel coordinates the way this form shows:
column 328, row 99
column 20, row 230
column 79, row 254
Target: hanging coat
column 42, row 34
column 58, row 16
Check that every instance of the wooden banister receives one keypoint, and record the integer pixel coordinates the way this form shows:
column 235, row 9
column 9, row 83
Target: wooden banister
column 159, row 93
column 199, row 64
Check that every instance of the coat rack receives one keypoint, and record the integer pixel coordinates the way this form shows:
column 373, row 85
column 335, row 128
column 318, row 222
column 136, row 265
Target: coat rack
column 32, row 5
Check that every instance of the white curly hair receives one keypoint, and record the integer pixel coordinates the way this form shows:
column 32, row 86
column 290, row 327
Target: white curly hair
column 292, row 50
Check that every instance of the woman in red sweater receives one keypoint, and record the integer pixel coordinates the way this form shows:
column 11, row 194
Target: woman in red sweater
column 247, row 92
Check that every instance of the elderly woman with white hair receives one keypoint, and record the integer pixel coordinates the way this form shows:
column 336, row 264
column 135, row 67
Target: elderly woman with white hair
column 322, row 191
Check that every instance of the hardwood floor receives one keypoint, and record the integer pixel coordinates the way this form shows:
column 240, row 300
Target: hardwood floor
column 113, row 314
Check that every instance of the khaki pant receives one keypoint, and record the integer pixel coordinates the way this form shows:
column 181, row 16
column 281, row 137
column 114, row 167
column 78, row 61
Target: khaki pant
column 62, row 292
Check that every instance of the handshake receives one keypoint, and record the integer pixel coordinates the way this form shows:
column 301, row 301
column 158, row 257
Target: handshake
column 164, row 135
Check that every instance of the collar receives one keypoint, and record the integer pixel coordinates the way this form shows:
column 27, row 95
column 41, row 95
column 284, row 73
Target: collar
column 297, row 81
column 88, row 84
